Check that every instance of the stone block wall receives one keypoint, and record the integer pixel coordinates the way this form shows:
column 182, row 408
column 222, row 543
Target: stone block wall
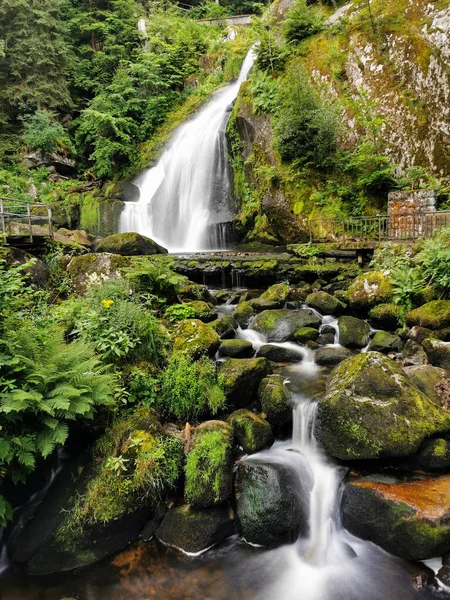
column 406, row 210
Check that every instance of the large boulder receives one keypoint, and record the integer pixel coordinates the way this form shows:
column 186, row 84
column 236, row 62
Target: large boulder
column 194, row 530
column 385, row 316
column 272, row 499
column 274, row 297
column 202, row 310
column 434, row 455
column 328, row 357
column 433, row 315
column 428, row 379
column 236, row 349
column 195, row 338
column 275, row 400
column 438, row 353
column 306, row 334
column 408, row 518
column 129, row 244
column 196, row 291
column 385, row 342
column 353, row 333
column 372, row 410
column 280, row 353
column 38, row 272
column 325, row 303
column 280, row 325
column 225, row 326
column 243, row 314
column 251, row 431
column 242, row 377
column 414, row 354
column 368, row 290
column 209, row 465
column 95, row 269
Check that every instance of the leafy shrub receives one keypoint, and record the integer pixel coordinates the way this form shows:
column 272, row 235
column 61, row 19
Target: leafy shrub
column 143, row 387
column 302, row 21
column 391, row 256
column 264, row 90
column 307, row 251
column 42, row 132
column 14, row 292
column 434, row 260
column 407, row 284
column 179, row 312
column 189, row 388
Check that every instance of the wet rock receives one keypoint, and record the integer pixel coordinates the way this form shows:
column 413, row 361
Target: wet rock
column 427, row 378
column 372, row 410
column 419, row 334
column 274, row 297
column 236, row 349
column 271, row 501
column 203, row 311
column 331, row 356
column 410, row 519
column 328, row 329
column 434, row 455
column 280, row 325
column 353, row 333
column 414, row 354
column 196, row 291
column 129, row 244
column 209, row 465
column 152, row 525
column 221, row 296
column 242, row 378
column 385, row 316
column 385, row 342
column 224, row 326
column 251, row 431
column 325, row 303
column 193, row 530
column 279, row 353
column 368, row 290
column 325, row 338
column 444, row 575
column 433, row 315
column 275, row 399
column 304, row 334
column 195, row 338
column 438, row 353
column 243, row 313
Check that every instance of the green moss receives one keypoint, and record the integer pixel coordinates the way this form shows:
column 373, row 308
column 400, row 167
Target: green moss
column 370, row 289
column 243, row 313
column 433, row 315
column 251, row 431
column 90, row 214
column 195, row 338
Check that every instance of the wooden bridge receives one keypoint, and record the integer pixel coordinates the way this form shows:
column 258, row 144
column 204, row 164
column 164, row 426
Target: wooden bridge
column 24, row 224
column 236, row 21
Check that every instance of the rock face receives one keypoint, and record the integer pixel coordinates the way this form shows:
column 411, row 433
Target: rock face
column 280, row 325
column 194, row 530
column 274, row 297
column 251, row 431
column 209, row 465
column 353, row 333
column 385, row 342
column 271, row 501
column 196, row 338
column 371, row 410
column 242, row 378
column 236, row 349
column 368, row 290
column 280, row 354
column 438, row 353
column 275, row 400
column 410, row 519
column 94, row 269
column 130, row 244
column 38, row 273
column 433, row 315
column 427, row 378
column 434, row 455
column 325, row 303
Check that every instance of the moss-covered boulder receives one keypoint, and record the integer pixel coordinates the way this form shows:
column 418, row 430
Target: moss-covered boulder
column 129, row 244
column 224, row 326
column 280, row 325
column 251, row 431
column 274, row 297
column 438, row 353
column 434, row 455
column 203, row 311
column 275, row 400
column 95, row 269
column 433, row 315
column 353, row 333
column 194, row 530
column 368, row 290
column 306, row 334
column 428, row 380
column 280, row 353
column 236, row 349
column 414, row 354
column 241, row 377
column 195, row 338
column 325, row 303
column 408, row 518
column 209, row 465
column 196, row 291
column 385, row 316
column 243, row 313
column 385, row 342
column 329, row 357
column 372, row 410
column 272, row 500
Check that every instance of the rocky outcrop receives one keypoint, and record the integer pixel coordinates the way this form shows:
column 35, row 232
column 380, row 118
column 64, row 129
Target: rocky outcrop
column 129, row 244
column 94, row 269
column 368, row 290
column 274, row 297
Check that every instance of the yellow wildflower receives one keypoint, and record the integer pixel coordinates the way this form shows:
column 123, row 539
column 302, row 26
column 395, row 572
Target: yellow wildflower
column 107, row 303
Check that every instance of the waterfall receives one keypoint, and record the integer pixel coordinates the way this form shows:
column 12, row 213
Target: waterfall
column 188, row 189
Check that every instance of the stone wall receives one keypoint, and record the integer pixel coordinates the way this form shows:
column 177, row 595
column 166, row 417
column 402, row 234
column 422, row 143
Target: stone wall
column 405, row 210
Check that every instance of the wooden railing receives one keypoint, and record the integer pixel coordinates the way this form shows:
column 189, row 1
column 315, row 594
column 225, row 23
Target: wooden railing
column 21, row 219
column 379, row 228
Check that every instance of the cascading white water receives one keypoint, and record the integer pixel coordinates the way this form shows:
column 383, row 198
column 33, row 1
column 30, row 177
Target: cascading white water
column 188, row 189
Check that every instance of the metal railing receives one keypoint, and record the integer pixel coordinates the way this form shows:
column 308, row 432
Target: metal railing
column 379, row 228
column 22, row 219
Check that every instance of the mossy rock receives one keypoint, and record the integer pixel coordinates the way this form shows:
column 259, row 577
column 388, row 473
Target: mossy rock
column 330, row 357
column 95, row 269
column 410, row 519
column 241, row 377
column 196, row 291
column 371, row 410
column 280, row 325
column 280, row 354
column 325, row 303
column 353, row 333
column 385, row 342
column 129, row 244
column 414, row 354
column 433, row 315
column 251, row 431
column 427, row 378
column 195, row 338
column 385, row 316
column 305, row 334
column 236, row 349
column 368, row 290
column 434, row 455
column 203, row 311
column 274, row 297
column 243, row 313
column 209, row 465
column 194, row 530
column 224, row 326
column 276, row 400
column 438, row 353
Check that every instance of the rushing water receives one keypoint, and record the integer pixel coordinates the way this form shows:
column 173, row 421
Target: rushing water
column 187, row 191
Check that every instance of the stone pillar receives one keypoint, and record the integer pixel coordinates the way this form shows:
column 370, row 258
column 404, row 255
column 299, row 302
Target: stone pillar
column 408, row 213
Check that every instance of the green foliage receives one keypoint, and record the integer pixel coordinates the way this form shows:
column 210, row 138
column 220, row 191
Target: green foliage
column 407, row 284
column 434, row 260
column 179, row 312
column 271, row 51
column 307, row 251
column 143, row 386
column 264, row 90
column 189, row 389
column 14, row 293
column 42, row 132
column 390, row 256
column 302, row 21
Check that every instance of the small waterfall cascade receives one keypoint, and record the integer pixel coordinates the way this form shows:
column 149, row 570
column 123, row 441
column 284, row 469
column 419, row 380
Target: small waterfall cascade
column 188, row 190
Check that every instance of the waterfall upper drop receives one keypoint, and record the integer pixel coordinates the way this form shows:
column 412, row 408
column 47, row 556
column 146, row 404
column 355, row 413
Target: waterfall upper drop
column 188, row 189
